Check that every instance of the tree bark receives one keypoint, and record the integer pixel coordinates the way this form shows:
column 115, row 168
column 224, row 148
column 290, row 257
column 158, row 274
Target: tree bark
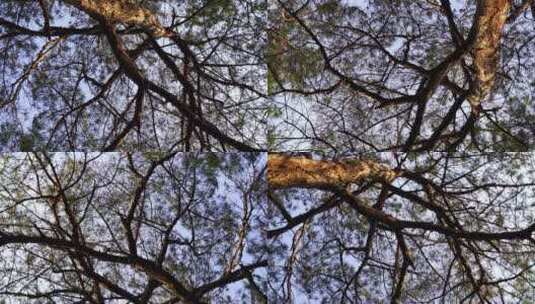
column 286, row 171
column 121, row 11
column 491, row 16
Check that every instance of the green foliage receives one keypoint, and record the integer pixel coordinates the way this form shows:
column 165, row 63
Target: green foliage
column 271, row 138
column 213, row 162
column 179, row 203
column 8, row 133
column 273, row 112
column 328, row 6
column 214, row 12
column 293, row 65
column 33, row 140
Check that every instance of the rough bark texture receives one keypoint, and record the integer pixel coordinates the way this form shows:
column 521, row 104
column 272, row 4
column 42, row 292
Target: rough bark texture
column 491, row 16
column 121, row 11
column 285, row 171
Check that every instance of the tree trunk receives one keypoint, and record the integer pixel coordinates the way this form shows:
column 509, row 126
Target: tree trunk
column 490, row 19
column 121, row 11
column 286, row 171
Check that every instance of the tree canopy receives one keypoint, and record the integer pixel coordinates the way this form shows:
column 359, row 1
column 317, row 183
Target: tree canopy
column 329, row 76
column 279, row 151
column 403, row 228
column 131, row 228
column 132, row 75
column 373, row 76
column 242, row 227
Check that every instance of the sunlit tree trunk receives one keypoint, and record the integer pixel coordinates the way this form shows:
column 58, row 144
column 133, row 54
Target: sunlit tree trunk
column 491, row 16
column 290, row 171
column 122, row 11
